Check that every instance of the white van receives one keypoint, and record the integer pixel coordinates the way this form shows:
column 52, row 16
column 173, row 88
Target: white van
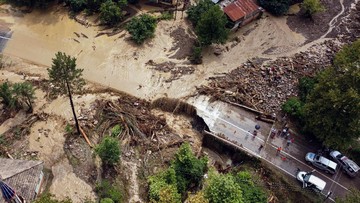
column 311, row 181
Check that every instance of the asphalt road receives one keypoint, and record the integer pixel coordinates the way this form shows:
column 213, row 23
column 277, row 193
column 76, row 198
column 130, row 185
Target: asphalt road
column 235, row 124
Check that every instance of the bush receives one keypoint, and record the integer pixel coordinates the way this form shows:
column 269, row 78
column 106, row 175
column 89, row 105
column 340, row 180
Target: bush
column 275, row 7
column 189, row 169
column 293, row 107
column 195, row 11
column 76, row 5
column 306, row 85
column 166, row 15
column 196, row 57
column 223, row 188
column 251, row 192
column 116, row 131
column 106, row 200
column 107, row 191
column 49, row 198
column 141, row 28
column 110, row 13
column 311, row 7
column 109, row 151
column 163, row 187
column 6, row 95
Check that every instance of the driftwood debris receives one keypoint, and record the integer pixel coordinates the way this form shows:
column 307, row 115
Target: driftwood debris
column 85, row 136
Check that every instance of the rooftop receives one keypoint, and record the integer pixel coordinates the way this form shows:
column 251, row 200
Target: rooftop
column 21, row 175
column 239, row 8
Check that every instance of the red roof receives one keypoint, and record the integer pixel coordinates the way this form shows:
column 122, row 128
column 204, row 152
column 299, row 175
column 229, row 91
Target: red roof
column 240, row 8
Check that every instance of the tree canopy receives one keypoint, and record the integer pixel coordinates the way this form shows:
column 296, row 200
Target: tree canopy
column 275, row 7
column 141, row 28
column 311, row 7
column 17, row 95
column 194, row 12
column 332, row 110
column 211, row 27
column 64, row 69
column 110, row 13
column 223, row 188
column 109, row 150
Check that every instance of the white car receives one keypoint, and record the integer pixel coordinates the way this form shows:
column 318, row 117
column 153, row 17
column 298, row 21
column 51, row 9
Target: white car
column 321, row 162
column 350, row 167
column 311, row 181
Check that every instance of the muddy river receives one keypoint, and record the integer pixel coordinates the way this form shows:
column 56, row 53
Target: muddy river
column 118, row 63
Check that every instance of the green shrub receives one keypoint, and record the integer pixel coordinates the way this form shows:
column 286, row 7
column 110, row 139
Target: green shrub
column 275, row 7
column 196, row 57
column 106, row 200
column 110, row 13
column 251, row 192
column 76, row 5
column 109, row 151
column 141, row 28
column 107, row 191
column 68, row 128
column 306, row 85
column 116, row 130
column 49, row 198
column 293, row 107
column 311, row 7
column 166, row 15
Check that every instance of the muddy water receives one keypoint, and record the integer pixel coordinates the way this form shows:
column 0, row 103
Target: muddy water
column 118, row 63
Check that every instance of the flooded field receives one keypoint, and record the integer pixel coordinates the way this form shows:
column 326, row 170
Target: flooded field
column 118, row 63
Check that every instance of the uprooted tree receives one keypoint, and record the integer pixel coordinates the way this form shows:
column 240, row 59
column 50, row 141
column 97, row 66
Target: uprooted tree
column 65, row 78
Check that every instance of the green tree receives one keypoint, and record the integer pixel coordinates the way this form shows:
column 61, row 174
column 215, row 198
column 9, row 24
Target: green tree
column 77, row 5
column 24, row 94
column 306, row 85
column 195, row 11
column 110, row 13
column 353, row 196
column 275, row 7
column 199, row 197
column 251, row 192
column 7, row 95
column 49, row 198
column 189, row 169
column 106, row 190
column 294, row 107
column 348, row 55
column 211, row 27
column 141, row 28
column 162, row 186
column 109, row 151
column 196, row 57
column 223, row 189
column 65, row 78
column 311, row 7
column 106, row 200
column 332, row 110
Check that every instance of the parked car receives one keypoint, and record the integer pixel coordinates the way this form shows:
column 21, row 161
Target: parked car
column 310, row 181
column 348, row 166
column 321, row 162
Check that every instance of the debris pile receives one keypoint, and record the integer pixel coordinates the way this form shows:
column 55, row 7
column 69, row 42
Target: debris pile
column 172, row 68
column 265, row 87
column 183, row 43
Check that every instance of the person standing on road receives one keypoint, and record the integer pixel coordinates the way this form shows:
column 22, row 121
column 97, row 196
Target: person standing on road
column 260, row 148
column 278, row 151
column 288, row 142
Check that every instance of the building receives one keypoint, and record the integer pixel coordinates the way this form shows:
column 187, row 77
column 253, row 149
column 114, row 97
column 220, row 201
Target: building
column 240, row 12
column 25, row 177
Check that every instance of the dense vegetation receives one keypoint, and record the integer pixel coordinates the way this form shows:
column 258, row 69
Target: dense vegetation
column 141, row 28
column 18, row 95
column 186, row 173
column 310, row 7
column 329, row 105
column 109, row 151
column 275, row 7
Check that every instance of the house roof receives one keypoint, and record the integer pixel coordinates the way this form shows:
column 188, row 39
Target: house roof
column 21, row 175
column 240, row 8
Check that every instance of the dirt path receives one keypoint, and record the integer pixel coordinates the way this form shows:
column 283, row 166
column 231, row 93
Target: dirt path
column 134, row 185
